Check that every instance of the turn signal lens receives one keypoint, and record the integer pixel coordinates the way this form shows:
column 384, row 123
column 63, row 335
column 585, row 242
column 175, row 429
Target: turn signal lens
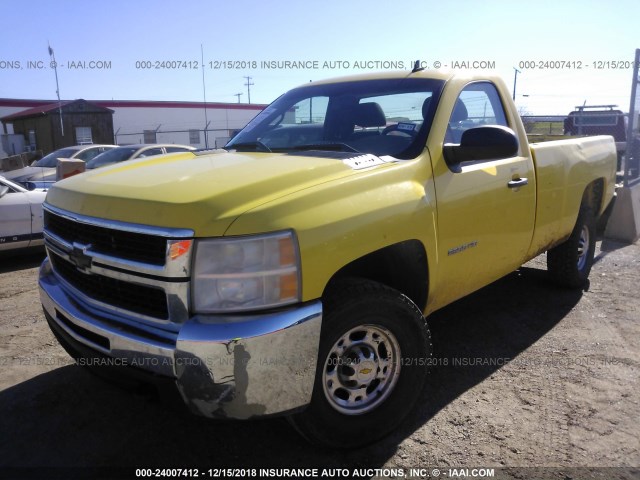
column 177, row 248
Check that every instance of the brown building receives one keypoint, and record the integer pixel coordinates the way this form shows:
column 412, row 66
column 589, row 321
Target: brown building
column 83, row 123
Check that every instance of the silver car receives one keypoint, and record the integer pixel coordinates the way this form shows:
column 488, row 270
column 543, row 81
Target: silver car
column 45, row 168
column 130, row 152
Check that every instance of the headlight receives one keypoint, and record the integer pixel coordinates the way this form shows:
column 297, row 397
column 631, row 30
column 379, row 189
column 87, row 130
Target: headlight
column 245, row 273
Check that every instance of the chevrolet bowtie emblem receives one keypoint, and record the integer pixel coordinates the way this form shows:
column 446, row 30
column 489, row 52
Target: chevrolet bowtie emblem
column 78, row 256
column 365, row 371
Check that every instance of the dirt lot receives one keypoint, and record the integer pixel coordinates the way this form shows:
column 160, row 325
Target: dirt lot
column 527, row 376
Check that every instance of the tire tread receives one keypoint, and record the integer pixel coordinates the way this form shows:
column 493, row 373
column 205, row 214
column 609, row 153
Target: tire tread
column 562, row 260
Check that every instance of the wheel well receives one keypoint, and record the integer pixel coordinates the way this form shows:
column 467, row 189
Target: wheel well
column 593, row 195
column 402, row 266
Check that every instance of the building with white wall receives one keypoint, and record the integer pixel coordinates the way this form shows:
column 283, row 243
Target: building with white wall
column 198, row 124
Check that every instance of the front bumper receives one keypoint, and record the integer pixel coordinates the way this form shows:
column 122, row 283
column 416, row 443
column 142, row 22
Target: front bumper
column 240, row 366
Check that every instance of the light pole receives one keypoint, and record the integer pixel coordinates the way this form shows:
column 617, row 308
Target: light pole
column 515, row 80
column 55, row 69
column 204, row 101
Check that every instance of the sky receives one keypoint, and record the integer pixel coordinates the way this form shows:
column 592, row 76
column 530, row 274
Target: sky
column 568, row 53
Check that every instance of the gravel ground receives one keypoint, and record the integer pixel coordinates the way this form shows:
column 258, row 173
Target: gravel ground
column 525, row 375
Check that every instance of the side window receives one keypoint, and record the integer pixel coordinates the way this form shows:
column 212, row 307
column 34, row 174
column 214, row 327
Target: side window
column 150, row 152
column 308, row 111
column 478, row 104
column 176, row 149
column 88, row 154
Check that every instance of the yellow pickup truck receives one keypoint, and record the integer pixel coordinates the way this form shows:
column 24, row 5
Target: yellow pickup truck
column 291, row 272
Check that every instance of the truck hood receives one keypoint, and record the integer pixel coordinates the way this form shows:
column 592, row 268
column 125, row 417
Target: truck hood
column 203, row 193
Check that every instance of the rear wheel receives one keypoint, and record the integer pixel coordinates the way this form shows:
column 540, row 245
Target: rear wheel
column 570, row 263
column 374, row 351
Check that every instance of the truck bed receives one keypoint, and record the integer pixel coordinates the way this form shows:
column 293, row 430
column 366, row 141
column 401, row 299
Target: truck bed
column 564, row 168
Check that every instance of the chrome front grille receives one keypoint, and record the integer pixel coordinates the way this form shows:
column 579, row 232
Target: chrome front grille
column 124, row 270
column 127, row 245
column 140, row 299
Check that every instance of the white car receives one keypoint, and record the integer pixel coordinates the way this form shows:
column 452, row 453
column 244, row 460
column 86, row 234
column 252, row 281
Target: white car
column 21, row 218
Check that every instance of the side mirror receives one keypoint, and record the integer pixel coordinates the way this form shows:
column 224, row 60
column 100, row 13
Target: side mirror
column 482, row 143
column 3, row 190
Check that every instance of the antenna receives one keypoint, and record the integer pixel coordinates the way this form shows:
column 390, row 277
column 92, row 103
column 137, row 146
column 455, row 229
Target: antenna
column 417, row 67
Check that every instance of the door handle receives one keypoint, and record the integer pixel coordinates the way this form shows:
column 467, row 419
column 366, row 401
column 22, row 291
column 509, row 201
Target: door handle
column 520, row 182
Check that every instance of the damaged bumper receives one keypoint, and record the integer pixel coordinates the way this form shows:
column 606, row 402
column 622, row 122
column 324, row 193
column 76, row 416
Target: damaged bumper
column 238, row 367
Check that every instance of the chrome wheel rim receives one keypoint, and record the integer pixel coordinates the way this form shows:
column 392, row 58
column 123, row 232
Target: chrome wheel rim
column 361, row 369
column 583, row 247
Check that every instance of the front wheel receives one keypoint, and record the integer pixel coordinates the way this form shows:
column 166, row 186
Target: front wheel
column 374, row 352
column 569, row 264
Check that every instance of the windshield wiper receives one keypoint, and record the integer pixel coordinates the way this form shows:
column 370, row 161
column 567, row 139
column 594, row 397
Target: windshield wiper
column 257, row 146
column 330, row 146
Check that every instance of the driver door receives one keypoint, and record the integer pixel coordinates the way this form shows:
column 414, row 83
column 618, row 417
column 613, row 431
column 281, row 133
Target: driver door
column 485, row 224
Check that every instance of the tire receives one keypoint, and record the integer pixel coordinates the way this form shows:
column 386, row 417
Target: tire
column 569, row 263
column 382, row 333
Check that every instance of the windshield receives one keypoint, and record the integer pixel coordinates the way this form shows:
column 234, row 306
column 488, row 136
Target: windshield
column 15, row 186
column 119, row 154
column 381, row 117
column 51, row 160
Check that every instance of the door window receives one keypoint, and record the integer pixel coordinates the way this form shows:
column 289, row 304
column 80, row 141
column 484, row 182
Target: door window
column 151, row 151
column 478, row 105
column 88, row 154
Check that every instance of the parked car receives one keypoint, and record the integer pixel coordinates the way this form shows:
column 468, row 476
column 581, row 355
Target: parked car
column 45, row 168
column 130, row 152
column 21, row 221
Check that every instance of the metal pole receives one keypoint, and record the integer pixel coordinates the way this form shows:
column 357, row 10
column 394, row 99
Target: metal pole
column 633, row 120
column 580, row 116
column 55, row 69
column 515, row 79
column 248, row 85
column 204, row 98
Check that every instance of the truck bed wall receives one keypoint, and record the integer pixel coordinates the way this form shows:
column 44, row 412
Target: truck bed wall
column 564, row 169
